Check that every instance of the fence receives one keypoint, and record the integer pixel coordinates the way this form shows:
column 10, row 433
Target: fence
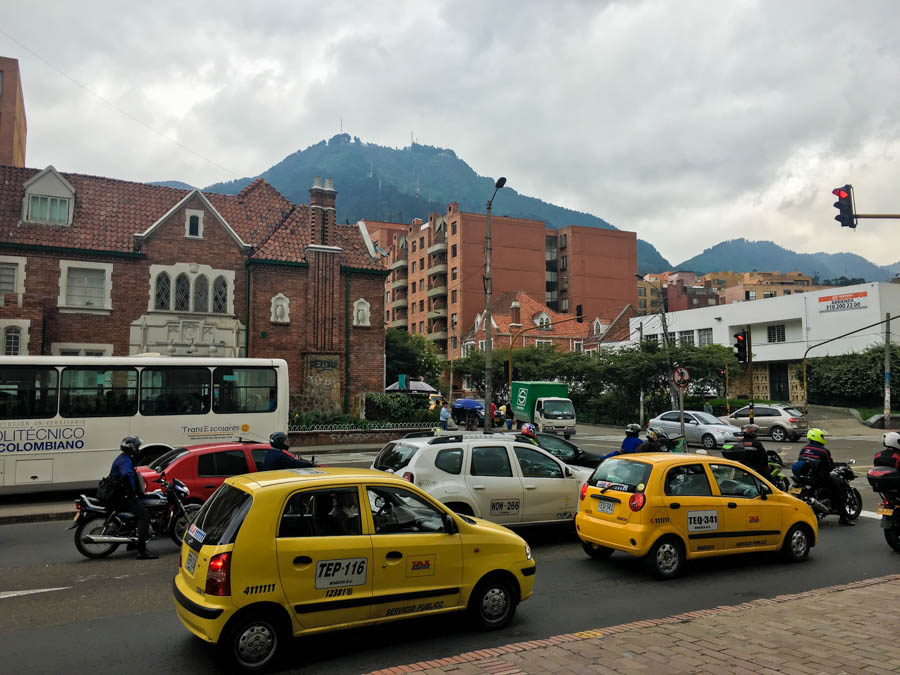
column 337, row 434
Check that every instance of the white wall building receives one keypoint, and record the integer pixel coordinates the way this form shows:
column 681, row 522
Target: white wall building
column 783, row 328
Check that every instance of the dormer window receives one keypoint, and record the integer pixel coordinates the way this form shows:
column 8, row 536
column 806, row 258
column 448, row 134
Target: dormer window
column 193, row 223
column 542, row 321
column 49, row 199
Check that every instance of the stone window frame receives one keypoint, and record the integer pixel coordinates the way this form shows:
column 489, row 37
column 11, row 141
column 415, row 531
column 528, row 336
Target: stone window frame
column 276, row 299
column 193, row 271
column 57, row 348
column 19, row 261
column 188, row 213
column 64, row 267
column 23, row 326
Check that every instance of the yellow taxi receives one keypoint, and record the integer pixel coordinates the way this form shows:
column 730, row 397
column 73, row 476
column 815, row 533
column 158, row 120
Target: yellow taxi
column 285, row 553
column 668, row 508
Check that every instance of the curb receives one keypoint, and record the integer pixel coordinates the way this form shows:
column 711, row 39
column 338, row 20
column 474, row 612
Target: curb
column 488, row 661
column 37, row 517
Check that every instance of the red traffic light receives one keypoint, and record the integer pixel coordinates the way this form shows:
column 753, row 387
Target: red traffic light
column 841, row 193
column 740, row 337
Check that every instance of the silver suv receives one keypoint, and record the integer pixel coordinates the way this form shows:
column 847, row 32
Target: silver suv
column 781, row 422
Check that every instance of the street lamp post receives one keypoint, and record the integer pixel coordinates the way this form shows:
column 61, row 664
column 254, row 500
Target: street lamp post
column 662, row 318
column 488, row 417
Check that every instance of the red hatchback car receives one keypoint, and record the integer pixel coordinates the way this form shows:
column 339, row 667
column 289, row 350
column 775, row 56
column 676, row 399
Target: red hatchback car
column 203, row 468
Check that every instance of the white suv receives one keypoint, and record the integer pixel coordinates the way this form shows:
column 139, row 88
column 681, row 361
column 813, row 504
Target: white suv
column 491, row 476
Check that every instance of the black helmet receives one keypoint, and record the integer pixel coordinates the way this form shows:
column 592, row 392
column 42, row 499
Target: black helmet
column 657, row 435
column 632, row 429
column 279, row 441
column 130, row 446
column 750, row 430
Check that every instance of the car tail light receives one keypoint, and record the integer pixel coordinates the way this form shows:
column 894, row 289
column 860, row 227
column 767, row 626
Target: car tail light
column 637, row 501
column 218, row 576
column 78, row 506
column 583, row 491
column 793, row 420
column 408, row 476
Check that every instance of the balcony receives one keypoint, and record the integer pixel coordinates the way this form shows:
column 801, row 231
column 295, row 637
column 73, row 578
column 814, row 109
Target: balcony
column 400, row 283
column 438, row 335
column 399, row 303
column 437, row 291
column 437, row 313
column 398, row 264
column 437, row 247
column 399, row 323
column 440, row 268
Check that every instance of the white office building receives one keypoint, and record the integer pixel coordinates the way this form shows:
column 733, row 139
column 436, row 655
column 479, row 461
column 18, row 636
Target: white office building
column 782, row 329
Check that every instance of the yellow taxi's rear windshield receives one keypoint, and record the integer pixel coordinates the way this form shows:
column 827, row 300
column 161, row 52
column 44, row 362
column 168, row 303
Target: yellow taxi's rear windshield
column 624, row 475
column 220, row 519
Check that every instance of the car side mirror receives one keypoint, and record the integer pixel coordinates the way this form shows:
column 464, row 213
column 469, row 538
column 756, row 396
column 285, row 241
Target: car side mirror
column 578, row 452
column 764, row 491
column 449, row 524
column 569, row 473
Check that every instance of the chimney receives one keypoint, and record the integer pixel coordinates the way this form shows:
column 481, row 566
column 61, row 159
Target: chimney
column 321, row 210
column 515, row 314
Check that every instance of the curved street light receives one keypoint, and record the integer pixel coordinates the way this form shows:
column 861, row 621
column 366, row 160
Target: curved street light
column 488, row 393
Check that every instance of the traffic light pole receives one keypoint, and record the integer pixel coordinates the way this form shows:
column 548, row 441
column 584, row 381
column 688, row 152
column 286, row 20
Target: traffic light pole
column 750, row 368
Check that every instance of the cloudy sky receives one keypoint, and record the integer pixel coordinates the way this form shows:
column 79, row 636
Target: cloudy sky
column 688, row 122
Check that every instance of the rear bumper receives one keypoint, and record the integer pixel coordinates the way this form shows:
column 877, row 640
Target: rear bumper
column 632, row 538
column 204, row 621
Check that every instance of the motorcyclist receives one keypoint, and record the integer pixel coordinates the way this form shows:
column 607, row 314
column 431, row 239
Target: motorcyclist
column 890, row 455
column 527, row 434
column 278, row 455
column 123, row 471
column 755, row 455
column 815, row 462
column 632, row 438
column 657, row 441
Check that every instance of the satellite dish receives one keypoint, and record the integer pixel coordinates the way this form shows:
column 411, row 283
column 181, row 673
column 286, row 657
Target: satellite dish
column 366, row 238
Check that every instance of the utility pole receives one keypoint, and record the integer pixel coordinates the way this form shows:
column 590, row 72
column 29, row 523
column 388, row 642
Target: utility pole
column 727, row 407
column 641, row 343
column 488, row 346
column 750, row 367
column 887, row 371
column 662, row 315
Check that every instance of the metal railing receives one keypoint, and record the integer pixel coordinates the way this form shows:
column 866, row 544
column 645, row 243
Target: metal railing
column 379, row 426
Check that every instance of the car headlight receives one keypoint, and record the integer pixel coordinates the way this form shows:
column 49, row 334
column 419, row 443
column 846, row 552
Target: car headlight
column 527, row 552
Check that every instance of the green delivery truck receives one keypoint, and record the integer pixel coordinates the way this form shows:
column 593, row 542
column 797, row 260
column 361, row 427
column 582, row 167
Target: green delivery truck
column 544, row 404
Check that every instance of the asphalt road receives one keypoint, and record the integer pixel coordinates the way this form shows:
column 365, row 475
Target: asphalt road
column 116, row 614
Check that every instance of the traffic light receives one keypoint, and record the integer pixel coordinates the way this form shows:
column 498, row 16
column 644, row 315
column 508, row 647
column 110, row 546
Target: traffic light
column 579, row 313
column 844, row 205
column 740, row 346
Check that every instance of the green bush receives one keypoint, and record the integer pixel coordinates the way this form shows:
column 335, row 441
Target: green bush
column 400, row 407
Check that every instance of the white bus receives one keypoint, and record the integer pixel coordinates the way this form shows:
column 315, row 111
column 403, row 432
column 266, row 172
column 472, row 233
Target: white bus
column 62, row 418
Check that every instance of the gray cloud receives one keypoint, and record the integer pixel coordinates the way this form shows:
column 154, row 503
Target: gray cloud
column 688, row 122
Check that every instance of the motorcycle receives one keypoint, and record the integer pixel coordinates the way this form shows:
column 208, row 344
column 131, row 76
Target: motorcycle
column 815, row 493
column 774, row 463
column 100, row 530
column 885, row 480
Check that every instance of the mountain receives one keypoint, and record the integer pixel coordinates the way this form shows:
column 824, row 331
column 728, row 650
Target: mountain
column 741, row 255
column 173, row 184
column 380, row 183
column 893, row 270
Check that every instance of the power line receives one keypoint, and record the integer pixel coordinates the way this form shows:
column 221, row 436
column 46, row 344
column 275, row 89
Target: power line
column 117, row 108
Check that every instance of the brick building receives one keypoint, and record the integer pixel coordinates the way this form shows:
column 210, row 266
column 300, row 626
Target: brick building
column 436, row 269
column 13, row 128
column 681, row 296
column 98, row 266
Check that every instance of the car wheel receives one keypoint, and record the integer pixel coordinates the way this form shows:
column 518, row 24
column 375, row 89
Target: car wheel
column 493, row 603
column 709, row 442
column 596, row 552
column 778, row 434
column 253, row 641
column 666, row 558
column 797, row 543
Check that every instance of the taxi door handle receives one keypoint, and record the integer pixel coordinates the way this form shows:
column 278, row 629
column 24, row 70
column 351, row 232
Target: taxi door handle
column 478, row 487
column 394, row 555
column 531, row 487
column 732, row 505
column 674, row 505
column 302, row 560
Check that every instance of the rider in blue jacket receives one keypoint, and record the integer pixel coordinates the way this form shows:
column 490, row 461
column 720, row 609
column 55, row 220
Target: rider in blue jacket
column 815, row 461
column 123, row 470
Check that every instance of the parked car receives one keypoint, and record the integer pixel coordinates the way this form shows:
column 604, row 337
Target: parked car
column 203, row 468
column 491, row 476
column 781, row 422
column 699, row 427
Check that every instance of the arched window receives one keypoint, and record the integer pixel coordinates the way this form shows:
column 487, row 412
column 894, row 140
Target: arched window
column 201, row 294
column 220, row 296
column 163, row 295
column 182, row 293
column 11, row 339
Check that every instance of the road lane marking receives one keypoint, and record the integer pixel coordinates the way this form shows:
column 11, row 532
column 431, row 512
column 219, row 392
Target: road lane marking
column 870, row 514
column 15, row 594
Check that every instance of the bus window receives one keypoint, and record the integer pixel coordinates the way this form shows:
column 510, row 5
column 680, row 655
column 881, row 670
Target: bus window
column 98, row 392
column 175, row 391
column 28, row 392
column 244, row 390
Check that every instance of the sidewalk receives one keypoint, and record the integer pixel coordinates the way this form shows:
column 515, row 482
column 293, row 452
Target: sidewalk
column 840, row 629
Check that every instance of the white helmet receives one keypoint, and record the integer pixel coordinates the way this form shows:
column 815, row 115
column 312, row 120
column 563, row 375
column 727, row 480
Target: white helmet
column 891, row 440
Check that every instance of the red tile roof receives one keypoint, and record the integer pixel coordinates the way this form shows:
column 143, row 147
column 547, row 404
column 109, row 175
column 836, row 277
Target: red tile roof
column 501, row 313
column 109, row 212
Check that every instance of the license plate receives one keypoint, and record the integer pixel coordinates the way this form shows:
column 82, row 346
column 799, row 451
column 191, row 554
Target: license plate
column 605, row 507
column 341, row 572
column 504, row 507
column 796, row 491
column 191, row 563
column 885, row 512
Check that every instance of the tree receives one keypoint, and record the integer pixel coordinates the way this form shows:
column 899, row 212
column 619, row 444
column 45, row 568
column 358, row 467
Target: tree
column 411, row 355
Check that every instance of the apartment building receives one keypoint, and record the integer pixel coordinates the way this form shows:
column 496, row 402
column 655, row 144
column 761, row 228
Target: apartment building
column 760, row 285
column 436, row 282
column 13, row 128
